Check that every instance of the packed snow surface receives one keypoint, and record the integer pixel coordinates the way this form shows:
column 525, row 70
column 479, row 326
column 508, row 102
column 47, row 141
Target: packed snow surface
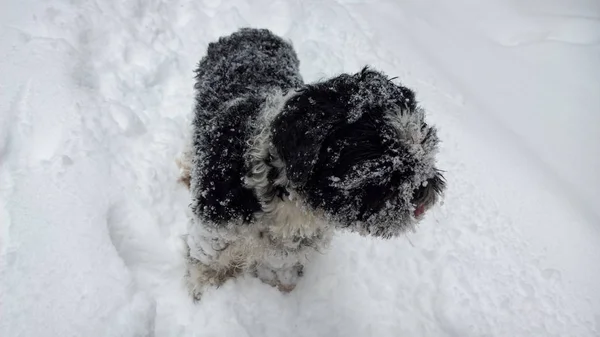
column 95, row 100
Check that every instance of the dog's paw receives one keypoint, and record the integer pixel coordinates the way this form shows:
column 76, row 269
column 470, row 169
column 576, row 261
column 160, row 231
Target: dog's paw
column 199, row 276
column 284, row 279
column 196, row 280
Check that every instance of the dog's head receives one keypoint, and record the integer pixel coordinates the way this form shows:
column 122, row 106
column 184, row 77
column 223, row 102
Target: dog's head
column 358, row 148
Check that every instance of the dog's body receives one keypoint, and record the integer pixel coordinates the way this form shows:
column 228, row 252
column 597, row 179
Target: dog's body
column 274, row 166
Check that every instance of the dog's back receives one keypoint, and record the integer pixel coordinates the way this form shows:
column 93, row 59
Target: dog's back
column 232, row 82
column 245, row 63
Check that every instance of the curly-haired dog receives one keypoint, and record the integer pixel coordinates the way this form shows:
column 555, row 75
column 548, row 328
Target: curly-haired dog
column 275, row 165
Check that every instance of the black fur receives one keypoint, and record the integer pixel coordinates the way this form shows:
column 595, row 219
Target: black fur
column 326, row 107
column 239, row 68
column 331, row 130
column 355, row 146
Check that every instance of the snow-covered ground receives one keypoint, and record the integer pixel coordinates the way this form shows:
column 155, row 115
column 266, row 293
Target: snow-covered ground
column 95, row 97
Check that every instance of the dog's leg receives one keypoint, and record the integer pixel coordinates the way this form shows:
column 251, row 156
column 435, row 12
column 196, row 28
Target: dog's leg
column 184, row 162
column 282, row 265
column 184, row 159
column 211, row 259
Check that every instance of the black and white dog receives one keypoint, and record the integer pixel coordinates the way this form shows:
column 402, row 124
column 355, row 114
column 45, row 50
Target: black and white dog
column 275, row 165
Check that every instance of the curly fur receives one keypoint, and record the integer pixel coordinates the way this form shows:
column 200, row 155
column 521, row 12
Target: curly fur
column 274, row 165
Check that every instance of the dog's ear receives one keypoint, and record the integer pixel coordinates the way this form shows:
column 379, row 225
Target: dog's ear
column 298, row 132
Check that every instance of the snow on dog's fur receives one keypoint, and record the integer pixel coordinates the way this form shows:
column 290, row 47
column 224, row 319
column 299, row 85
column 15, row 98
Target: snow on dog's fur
column 275, row 165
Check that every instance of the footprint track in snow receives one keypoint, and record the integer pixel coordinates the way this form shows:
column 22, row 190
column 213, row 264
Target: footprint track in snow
column 577, row 31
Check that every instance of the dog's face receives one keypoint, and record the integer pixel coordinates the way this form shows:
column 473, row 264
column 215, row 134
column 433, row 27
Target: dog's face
column 358, row 148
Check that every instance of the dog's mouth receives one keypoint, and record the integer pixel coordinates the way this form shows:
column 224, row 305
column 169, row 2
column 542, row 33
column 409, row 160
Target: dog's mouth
column 419, row 210
column 427, row 195
column 420, row 199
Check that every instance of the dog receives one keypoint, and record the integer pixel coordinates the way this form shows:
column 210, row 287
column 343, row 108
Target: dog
column 274, row 166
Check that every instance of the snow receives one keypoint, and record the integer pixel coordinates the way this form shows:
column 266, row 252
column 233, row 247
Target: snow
column 94, row 102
